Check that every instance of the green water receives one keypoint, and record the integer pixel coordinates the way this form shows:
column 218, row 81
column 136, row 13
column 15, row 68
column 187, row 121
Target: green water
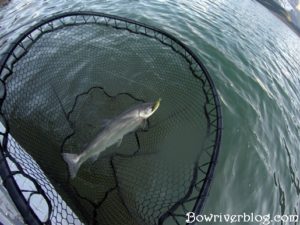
column 253, row 58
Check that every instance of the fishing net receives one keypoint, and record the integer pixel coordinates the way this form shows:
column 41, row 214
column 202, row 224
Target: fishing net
column 67, row 75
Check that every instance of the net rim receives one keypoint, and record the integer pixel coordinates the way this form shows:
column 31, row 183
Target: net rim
column 8, row 180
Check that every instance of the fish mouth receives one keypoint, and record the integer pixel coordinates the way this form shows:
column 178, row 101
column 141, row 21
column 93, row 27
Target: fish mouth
column 156, row 105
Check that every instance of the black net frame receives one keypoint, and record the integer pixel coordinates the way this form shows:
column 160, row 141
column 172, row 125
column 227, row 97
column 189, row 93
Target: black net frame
column 199, row 188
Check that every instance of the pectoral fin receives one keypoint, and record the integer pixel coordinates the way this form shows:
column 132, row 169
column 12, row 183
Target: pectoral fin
column 144, row 124
column 119, row 142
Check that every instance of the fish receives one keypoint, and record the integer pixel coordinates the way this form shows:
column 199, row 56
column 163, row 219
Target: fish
column 112, row 133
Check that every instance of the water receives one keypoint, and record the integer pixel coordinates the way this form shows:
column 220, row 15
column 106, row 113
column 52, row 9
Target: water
column 8, row 212
column 253, row 57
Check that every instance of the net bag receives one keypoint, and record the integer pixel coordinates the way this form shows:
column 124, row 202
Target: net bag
column 62, row 79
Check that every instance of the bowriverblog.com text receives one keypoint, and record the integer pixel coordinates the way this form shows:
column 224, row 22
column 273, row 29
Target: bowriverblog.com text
column 266, row 219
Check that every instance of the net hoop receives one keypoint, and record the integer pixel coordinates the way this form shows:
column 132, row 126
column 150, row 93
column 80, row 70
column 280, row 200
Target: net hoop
column 9, row 58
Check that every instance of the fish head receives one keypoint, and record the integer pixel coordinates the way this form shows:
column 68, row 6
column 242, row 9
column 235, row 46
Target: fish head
column 147, row 109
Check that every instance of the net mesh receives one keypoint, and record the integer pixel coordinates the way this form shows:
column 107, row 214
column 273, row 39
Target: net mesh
column 69, row 74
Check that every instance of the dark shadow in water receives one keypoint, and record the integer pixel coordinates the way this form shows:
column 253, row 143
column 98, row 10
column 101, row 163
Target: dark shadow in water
column 295, row 180
column 281, row 194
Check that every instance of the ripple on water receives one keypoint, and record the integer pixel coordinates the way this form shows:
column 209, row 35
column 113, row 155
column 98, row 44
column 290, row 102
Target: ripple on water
column 254, row 60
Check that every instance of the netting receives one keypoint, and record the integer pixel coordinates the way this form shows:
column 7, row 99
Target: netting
column 65, row 76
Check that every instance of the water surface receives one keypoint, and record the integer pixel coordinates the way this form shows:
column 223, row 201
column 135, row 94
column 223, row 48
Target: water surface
column 253, row 57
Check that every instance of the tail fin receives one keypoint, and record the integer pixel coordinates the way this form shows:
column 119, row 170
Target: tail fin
column 73, row 163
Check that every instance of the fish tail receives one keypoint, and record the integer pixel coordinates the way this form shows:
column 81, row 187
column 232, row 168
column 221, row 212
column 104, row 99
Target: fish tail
column 73, row 163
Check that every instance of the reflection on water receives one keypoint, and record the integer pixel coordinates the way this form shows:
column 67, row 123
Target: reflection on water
column 287, row 10
column 253, row 58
